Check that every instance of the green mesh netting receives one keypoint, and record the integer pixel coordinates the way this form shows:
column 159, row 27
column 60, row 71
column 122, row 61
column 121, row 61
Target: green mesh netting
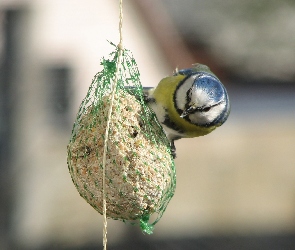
column 139, row 171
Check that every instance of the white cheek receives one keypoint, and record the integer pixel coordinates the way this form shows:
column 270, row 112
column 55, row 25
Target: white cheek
column 198, row 118
column 216, row 111
column 207, row 117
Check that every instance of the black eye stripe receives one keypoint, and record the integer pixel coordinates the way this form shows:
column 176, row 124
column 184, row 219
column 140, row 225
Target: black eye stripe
column 205, row 108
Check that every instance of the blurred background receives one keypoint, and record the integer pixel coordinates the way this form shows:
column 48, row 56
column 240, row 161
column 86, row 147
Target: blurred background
column 235, row 187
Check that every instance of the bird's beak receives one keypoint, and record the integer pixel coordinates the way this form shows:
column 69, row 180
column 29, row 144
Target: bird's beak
column 188, row 111
column 184, row 114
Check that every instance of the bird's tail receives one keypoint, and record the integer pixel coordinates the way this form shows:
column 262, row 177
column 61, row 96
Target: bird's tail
column 134, row 91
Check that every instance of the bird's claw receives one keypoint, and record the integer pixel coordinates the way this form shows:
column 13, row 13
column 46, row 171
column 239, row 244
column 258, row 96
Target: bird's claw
column 173, row 149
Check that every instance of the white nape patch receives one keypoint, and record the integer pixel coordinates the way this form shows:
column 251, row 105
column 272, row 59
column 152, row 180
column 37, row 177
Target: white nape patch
column 182, row 90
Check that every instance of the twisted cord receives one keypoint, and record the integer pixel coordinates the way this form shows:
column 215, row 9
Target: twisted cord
column 114, row 86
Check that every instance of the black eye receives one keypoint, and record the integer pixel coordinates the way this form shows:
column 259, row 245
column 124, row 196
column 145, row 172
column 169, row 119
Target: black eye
column 206, row 109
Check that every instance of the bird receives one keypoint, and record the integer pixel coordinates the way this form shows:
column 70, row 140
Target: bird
column 192, row 102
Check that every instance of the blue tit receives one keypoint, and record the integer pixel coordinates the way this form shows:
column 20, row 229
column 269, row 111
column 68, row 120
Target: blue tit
column 193, row 102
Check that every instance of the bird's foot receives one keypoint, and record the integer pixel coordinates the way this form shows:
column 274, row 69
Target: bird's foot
column 173, row 149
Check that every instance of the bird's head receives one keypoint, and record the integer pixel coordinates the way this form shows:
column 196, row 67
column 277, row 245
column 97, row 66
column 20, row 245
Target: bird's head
column 201, row 98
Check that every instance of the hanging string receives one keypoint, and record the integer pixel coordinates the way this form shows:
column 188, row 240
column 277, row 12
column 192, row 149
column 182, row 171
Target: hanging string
column 114, row 86
column 120, row 45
